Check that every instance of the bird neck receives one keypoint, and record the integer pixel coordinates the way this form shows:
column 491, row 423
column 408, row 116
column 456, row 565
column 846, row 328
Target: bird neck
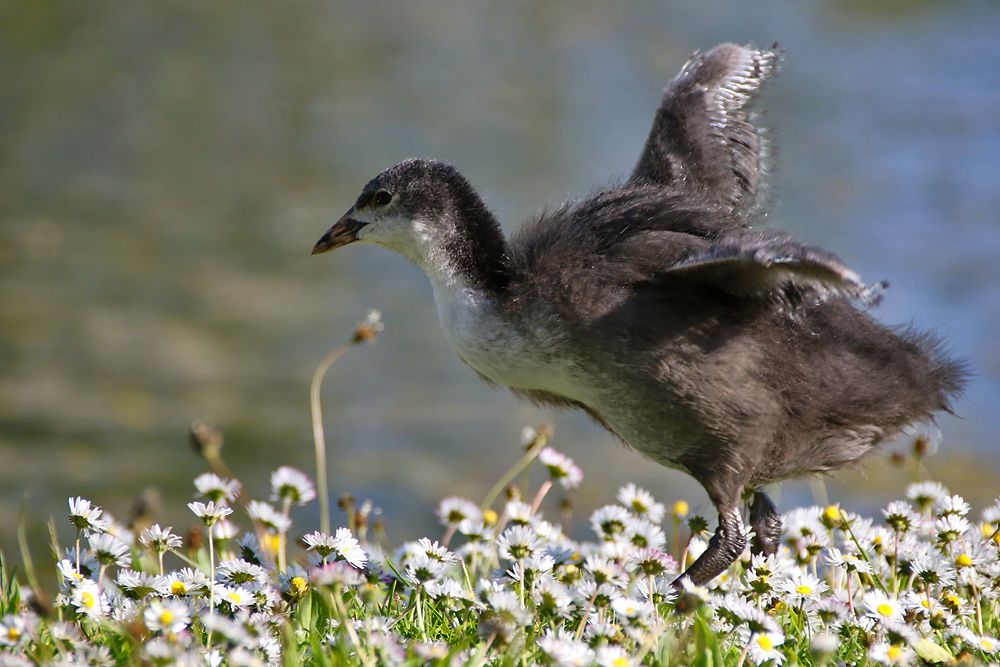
column 475, row 253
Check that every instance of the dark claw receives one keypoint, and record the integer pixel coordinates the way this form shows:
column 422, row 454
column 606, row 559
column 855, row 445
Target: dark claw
column 767, row 525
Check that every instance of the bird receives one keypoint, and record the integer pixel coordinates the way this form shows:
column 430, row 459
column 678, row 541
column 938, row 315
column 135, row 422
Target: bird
column 662, row 308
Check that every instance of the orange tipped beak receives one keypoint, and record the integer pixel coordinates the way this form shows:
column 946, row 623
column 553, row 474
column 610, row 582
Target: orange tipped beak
column 343, row 232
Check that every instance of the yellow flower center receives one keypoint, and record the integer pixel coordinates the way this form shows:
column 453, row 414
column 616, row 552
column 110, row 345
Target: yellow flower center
column 832, row 514
column 178, row 588
column 963, row 560
column 13, row 634
column 681, row 508
column 88, row 600
column 885, row 609
column 490, row 517
column 804, row 590
column 298, row 585
column 895, row 652
column 621, row 662
column 765, row 642
column 167, row 617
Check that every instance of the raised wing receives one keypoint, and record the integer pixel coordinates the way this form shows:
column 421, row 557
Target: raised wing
column 769, row 264
column 703, row 137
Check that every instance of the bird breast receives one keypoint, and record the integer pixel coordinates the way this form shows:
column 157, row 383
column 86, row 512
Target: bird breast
column 520, row 350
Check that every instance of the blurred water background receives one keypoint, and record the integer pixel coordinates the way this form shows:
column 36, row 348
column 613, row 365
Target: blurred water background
column 166, row 167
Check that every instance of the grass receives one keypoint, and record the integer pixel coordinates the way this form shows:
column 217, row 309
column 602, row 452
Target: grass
column 919, row 584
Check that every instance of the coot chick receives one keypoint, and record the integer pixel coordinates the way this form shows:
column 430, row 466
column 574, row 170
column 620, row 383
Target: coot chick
column 737, row 355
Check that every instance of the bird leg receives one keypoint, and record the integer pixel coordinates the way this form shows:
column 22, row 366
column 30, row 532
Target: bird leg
column 767, row 525
column 725, row 547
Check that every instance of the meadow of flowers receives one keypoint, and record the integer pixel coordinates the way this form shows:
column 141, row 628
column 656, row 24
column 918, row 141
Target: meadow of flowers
column 918, row 585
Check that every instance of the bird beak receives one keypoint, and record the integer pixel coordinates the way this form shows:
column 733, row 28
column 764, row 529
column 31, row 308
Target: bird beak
column 343, row 232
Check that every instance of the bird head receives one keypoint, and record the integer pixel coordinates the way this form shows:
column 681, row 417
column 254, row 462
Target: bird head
column 405, row 208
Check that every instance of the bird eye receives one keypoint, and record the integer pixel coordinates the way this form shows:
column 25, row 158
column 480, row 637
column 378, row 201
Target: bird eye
column 383, row 197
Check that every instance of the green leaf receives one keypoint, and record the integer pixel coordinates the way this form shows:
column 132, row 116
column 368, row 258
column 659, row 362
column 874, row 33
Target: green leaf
column 709, row 653
column 931, row 652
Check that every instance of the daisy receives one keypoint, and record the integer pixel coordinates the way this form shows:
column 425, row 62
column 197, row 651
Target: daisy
column 823, row 647
column 891, row 654
column 613, row 655
column 237, row 571
column 600, row 632
column 452, row 511
column 661, row 590
column 160, row 540
column 474, row 529
column 137, row 585
column 832, row 613
column 551, row 596
column 562, row 649
column 168, row 616
column 346, row 547
column 951, row 505
column 651, row 562
column 421, row 568
column 899, row 515
column 847, row 560
column 561, row 468
column 85, row 517
column 507, row 606
column 950, row 528
column 232, row 598
column 291, row 486
column 265, row 514
column 881, row 608
column 644, row 533
column 609, row 521
column 518, row 542
column 88, row 600
column 763, row 646
column 435, row 550
column 209, row 513
column 336, row 573
column 802, row 587
column 217, row 489
column 186, row 582
column 109, row 550
column 249, row 549
column 519, row 514
column 925, row 494
column 225, row 530
column 641, row 503
column 16, row 630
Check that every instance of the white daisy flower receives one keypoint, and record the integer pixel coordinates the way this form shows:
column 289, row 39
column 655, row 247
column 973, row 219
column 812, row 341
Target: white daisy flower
column 291, row 485
column 232, row 598
column 763, row 646
column 561, row 468
column 452, row 511
column 609, row 522
column 85, row 517
column 265, row 514
column 562, row 649
column 209, row 513
column 881, row 607
column 109, row 550
column 641, row 503
column 88, row 600
column 160, row 540
column 237, row 571
column 167, row 616
column 216, row 489
column 518, row 542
